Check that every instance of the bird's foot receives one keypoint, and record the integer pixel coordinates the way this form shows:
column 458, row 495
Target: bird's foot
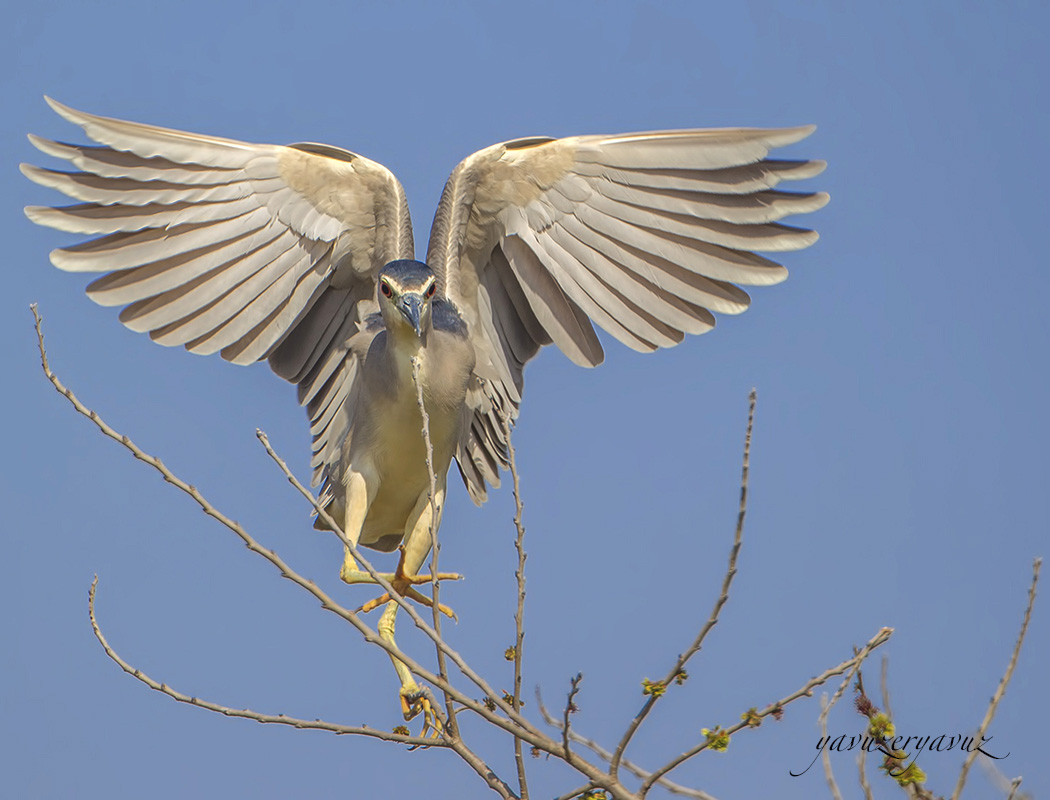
column 411, row 594
column 416, row 699
column 401, row 582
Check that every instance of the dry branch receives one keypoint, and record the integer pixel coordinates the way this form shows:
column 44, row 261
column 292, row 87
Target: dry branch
column 519, row 612
column 278, row 719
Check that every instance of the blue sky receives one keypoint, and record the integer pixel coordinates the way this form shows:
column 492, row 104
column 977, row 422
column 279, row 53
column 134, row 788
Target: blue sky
column 898, row 464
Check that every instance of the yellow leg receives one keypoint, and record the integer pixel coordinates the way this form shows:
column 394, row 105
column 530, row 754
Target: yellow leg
column 414, row 552
column 414, row 699
column 358, row 498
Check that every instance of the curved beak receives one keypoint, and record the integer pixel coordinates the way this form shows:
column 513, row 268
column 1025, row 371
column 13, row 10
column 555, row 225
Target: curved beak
column 410, row 305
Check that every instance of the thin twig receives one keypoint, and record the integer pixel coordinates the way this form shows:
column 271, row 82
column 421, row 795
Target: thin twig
column 859, row 656
column 627, row 764
column 279, row 719
column 723, row 597
column 435, row 513
column 829, row 774
column 1015, row 784
column 806, row 690
column 475, row 762
column 519, row 613
column 1010, row 787
column 884, row 685
column 1003, row 683
column 570, row 706
column 862, row 776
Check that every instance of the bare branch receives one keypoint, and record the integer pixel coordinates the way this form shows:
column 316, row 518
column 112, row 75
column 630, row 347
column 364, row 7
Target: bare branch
column 570, row 707
column 806, row 690
column 862, row 776
column 1003, row 682
column 723, row 597
column 279, row 719
column 519, row 613
column 434, row 546
column 829, row 774
column 884, row 685
column 1010, row 787
column 476, row 763
column 606, row 755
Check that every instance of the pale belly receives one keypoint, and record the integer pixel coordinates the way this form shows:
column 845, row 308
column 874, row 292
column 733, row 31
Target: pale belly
column 397, row 461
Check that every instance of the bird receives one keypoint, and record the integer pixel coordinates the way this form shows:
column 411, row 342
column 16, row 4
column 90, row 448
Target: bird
column 303, row 256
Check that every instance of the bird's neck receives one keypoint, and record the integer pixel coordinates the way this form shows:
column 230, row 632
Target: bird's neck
column 404, row 346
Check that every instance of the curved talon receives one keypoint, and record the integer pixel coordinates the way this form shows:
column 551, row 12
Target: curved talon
column 415, row 700
column 402, row 583
column 411, row 594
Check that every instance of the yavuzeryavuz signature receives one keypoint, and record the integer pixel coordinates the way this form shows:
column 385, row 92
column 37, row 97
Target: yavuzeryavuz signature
column 940, row 744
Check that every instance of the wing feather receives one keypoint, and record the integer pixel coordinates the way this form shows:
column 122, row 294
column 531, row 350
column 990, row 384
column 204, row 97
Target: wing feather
column 230, row 247
column 642, row 234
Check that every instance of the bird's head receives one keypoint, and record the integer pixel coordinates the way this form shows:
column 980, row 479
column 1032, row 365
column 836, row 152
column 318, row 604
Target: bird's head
column 406, row 289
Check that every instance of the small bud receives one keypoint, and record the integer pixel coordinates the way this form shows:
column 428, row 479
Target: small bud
column 401, row 730
column 681, row 677
column 751, row 717
column 865, row 706
column 654, row 688
column 880, row 727
column 717, row 739
column 509, row 700
column 510, row 653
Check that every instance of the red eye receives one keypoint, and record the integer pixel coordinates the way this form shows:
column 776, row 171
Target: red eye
column 431, row 290
column 384, row 287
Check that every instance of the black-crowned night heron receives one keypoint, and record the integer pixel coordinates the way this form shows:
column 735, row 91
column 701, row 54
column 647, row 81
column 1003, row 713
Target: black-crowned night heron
column 302, row 255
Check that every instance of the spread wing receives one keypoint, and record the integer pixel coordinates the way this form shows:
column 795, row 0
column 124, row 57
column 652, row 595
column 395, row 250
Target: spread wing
column 645, row 234
column 252, row 251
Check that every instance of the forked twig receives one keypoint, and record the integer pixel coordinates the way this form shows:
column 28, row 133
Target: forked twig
column 570, row 707
column 1003, row 683
column 850, row 666
column 723, row 597
column 606, row 755
column 279, row 719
